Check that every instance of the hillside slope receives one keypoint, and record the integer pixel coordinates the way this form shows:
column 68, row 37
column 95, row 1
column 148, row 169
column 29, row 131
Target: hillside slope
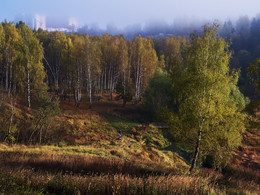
column 86, row 155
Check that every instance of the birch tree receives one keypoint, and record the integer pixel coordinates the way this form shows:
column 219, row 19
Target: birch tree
column 2, row 39
column 68, row 65
column 92, row 57
column 124, row 70
column 29, row 72
column 10, row 53
column 143, row 64
column 208, row 120
column 54, row 56
column 78, row 53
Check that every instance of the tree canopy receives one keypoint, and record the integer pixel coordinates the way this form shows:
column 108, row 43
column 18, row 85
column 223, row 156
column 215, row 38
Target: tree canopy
column 207, row 119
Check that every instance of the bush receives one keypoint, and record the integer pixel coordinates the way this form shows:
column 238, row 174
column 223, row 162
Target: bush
column 159, row 92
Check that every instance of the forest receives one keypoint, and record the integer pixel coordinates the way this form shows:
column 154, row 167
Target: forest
column 150, row 108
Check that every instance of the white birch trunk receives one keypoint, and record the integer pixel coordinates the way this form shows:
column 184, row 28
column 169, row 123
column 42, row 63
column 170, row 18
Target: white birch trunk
column 28, row 88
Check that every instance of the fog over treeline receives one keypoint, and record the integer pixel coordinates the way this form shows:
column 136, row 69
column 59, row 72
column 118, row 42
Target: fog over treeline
column 181, row 26
column 242, row 34
column 151, row 28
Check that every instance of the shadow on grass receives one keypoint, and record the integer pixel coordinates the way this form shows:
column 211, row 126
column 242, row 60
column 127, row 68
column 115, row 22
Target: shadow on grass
column 78, row 164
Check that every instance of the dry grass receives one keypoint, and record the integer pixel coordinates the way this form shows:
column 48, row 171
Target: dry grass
column 89, row 159
column 71, row 183
column 44, row 170
column 50, row 169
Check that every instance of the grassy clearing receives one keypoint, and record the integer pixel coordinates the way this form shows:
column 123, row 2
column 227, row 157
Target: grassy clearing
column 66, row 183
column 125, row 125
column 142, row 152
column 87, row 156
column 127, row 167
column 124, row 166
column 52, row 173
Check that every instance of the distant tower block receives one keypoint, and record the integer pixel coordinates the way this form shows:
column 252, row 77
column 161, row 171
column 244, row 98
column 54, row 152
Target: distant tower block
column 39, row 22
column 73, row 24
column 33, row 21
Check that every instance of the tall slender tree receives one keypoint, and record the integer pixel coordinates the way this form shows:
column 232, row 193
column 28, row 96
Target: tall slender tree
column 208, row 120
column 10, row 54
column 92, row 61
column 54, row 56
column 2, row 39
column 29, row 72
column 143, row 64
column 124, row 68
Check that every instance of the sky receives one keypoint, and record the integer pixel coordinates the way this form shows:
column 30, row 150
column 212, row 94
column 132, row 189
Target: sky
column 122, row 13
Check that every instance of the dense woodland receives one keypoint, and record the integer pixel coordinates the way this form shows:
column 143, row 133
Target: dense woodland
column 189, row 83
column 71, row 64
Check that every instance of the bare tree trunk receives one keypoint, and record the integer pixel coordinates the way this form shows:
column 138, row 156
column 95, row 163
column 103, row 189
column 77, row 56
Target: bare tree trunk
column 40, row 137
column 129, row 67
column 6, row 78
column 77, row 92
column 28, row 88
column 136, row 89
column 78, row 88
column 35, row 129
column 70, row 85
column 140, row 85
column 124, row 86
column 101, row 83
column 112, row 88
column 47, row 79
column 11, row 119
column 10, row 81
column 196, row 153
column 56, row 83
column 105, row 86
column 89, row 87
column 111, row 83
column 140, row 80
column 77, row 95
column 2, row 77
column 137, row 81
column 90, row 95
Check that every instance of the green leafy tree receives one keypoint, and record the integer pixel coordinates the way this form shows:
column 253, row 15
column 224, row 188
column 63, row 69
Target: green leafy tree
column 10, row 54
column 159, row 91
column 29, row 72
column 77, row 67
column 207, row 119
column 2, row 68
column 109, row 63
column 54, row 56
column 47, row 109
column 2, row 38
column 238, row 97
column 143, row 64
column 124, row 84
column 68, row 65
column 92, row 58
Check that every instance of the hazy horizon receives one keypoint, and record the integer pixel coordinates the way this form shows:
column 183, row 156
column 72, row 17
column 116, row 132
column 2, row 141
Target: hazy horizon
column 120, row 14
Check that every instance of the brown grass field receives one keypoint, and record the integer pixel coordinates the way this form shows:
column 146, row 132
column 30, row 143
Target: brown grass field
column 88, row 157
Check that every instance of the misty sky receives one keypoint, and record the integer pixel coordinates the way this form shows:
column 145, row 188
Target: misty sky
column 127, row 12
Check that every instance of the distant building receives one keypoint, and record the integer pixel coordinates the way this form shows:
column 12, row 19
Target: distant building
column 37, row 21
column 33, row 21
column 51, row 29
column 73, row 24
